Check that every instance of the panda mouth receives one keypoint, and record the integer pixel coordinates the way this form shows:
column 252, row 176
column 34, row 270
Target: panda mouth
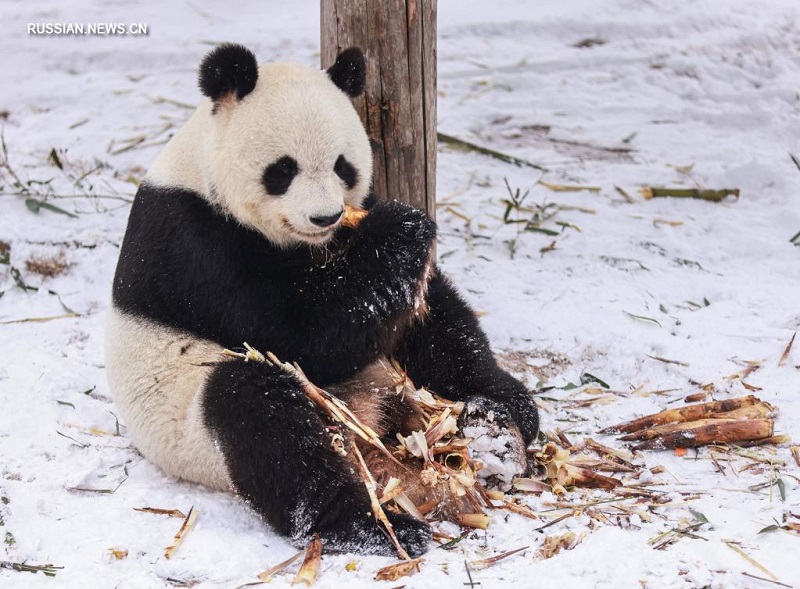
column 311, row 236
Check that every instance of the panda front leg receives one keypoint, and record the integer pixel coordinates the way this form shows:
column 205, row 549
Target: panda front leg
column 448, row 352
column 281, row 462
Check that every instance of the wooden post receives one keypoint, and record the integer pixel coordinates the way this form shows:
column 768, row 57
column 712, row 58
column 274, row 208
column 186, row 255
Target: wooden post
column 398, row 107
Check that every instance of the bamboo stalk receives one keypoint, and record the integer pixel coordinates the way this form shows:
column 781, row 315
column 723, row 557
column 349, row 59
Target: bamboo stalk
column 522, row 510
column 399, row 569
column 683, row 414
column 310, row 567
column 711, row 431
column 187, row 525
column 377, row 510
column 710, row 195
column 474, row 520
column 569, row 474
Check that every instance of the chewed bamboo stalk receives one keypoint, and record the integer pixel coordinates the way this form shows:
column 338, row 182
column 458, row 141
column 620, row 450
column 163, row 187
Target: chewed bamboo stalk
column 569, row 475
column 307, row 574
column 708, row 431
column 399, row 569
column 353, row 216
column 474, row 520
column 688, row 413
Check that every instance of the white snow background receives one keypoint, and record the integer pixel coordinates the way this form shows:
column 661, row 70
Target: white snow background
column 679, row 94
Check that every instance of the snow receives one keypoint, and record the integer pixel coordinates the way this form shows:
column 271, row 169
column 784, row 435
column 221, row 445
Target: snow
column 701, row 94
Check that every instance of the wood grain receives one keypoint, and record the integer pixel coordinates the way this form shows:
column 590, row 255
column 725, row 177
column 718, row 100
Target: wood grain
column 398, row 108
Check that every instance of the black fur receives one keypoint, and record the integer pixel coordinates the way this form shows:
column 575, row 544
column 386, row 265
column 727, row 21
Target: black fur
column 278, row 175
column 279, row 456
column 229, row 68
column 449, row 353
column 185, row 265
column 346, row 172
column 349, row 73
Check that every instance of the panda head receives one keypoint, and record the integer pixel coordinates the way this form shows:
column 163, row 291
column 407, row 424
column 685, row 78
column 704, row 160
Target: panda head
column 287, row 148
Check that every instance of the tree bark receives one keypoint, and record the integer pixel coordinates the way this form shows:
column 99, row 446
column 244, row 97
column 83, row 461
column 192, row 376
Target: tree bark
column 398, row 107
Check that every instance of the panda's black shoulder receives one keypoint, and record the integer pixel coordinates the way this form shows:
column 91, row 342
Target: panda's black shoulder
column 182, row 259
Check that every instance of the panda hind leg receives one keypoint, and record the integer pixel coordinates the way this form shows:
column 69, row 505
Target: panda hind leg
column 280, row 459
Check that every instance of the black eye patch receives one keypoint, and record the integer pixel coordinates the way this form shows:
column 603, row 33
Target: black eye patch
column 279, row 175
column 346, row 172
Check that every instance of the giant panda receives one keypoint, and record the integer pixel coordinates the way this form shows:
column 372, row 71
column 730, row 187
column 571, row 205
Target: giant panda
column 235, row 235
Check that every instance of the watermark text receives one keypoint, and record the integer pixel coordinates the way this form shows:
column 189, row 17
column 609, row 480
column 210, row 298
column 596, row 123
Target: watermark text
column 97, row 29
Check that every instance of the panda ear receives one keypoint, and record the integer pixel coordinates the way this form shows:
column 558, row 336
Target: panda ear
column 228, row 70
column 349, row 73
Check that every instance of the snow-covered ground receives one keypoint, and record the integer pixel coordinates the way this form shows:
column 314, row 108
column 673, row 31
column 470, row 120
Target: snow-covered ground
column 615, row 95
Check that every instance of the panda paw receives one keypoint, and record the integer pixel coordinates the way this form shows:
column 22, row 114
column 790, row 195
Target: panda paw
column 497, row 442
column 361, row 534
column 400, row 231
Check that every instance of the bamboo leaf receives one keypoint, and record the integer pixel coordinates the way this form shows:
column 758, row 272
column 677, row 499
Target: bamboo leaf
column 586, row 378
column 34, row 205
column 642, row 318
column 770, row 528
column 699, row 516
column 53, row 157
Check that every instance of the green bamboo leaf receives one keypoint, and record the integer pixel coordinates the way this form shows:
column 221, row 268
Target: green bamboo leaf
column 35, row 206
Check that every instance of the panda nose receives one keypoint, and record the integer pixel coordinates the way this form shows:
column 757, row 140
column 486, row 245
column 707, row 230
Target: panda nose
column 326, row 221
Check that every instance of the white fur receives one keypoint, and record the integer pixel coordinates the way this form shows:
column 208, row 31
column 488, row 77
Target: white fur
column 157, row 391
column 293, row 110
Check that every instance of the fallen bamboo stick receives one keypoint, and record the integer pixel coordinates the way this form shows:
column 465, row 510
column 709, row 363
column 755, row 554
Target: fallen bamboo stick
column 683, row 414
column 159, row 511
column 708, row 432
column 399, row 569
column 571, row 475
column 187, row 525
column 267, row 575
column 487, row 562
column 377, row 511
column 710, row 195
column 310, row 567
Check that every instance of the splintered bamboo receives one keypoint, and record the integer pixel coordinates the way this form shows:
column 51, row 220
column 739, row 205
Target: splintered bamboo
column 399, row 569
column 158, row 511
column 187, row 525
column 569, row 474
column 267, row 575
column 377, row 511
column 688, row 413
column 705, row 432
